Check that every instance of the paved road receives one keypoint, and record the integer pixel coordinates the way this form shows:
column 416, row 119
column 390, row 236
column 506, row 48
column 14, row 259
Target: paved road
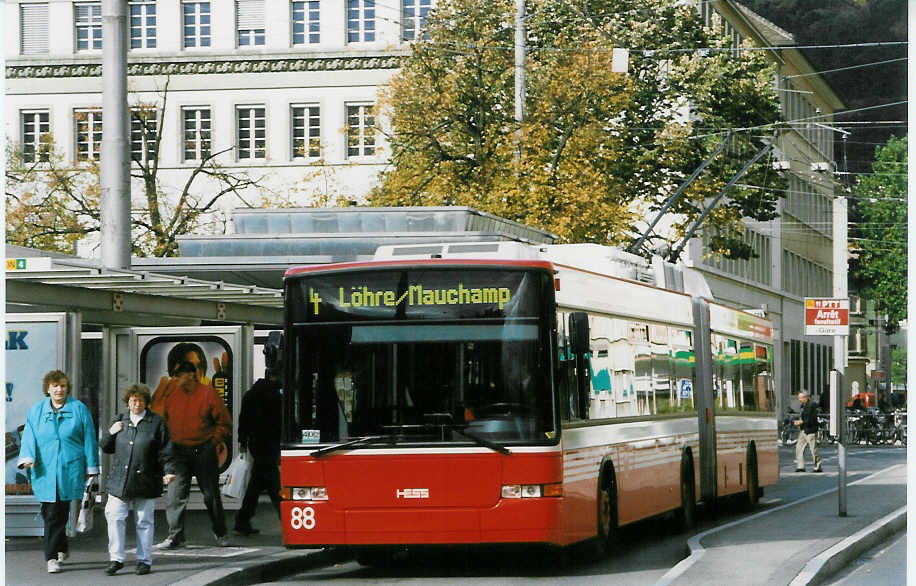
column 771, row 546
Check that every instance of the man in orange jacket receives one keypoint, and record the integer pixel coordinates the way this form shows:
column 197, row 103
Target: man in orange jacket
column 197, row 420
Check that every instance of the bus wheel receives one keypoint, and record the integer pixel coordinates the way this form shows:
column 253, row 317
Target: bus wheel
column 688, row 513
column 753, row 482
column 607, row 511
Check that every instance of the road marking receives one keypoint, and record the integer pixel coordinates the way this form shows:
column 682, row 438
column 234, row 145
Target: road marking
column 205, row 551
column 697, row 551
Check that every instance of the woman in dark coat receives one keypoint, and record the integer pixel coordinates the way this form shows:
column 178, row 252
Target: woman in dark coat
column 142, row 452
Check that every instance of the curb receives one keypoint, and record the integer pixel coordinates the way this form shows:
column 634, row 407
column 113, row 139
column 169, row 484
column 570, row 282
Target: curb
column 832, row 560
column 266, row 569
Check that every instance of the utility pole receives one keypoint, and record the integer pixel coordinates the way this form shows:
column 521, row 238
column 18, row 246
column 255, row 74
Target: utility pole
column 519, row 74
column 115, row 163
column 840, row 291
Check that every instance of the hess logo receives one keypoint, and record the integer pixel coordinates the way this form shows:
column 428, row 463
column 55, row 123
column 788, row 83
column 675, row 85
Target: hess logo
column 412, row 493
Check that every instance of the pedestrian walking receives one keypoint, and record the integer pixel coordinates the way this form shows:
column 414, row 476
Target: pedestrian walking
column 197, row 420
column 259, row 434
column 807, row 435
column 142, row 450
column 60, row 450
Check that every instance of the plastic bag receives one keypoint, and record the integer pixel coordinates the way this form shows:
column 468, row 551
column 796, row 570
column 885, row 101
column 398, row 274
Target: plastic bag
column 86, row 519
column 237, row 477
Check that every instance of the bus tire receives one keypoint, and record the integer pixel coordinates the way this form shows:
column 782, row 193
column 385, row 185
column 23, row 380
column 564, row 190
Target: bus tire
column 687, row 515
column 607, row 509
column 753, row 480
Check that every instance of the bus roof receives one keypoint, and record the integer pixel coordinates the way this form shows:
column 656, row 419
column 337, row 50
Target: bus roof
column 438, row 262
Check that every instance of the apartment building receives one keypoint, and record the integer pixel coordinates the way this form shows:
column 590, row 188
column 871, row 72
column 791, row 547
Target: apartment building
column 273, row 88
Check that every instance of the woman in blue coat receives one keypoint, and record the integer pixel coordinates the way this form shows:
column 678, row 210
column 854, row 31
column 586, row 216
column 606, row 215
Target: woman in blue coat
column 59, row 446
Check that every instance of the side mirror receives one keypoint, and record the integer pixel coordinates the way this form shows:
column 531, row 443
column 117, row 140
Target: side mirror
column 273, row 352
column 578, row 332
column 579, row 343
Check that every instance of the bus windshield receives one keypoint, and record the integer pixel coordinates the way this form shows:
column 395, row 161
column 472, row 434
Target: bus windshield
column 420, row 356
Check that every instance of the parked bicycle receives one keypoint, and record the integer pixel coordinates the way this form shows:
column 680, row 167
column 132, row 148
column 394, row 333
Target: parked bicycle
column 788, row 433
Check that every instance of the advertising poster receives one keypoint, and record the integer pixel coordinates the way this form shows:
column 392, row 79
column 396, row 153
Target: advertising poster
column 31, row 352
column 212, row 355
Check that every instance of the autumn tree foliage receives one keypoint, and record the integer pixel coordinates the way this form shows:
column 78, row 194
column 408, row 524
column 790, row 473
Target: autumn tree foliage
column 599, row 151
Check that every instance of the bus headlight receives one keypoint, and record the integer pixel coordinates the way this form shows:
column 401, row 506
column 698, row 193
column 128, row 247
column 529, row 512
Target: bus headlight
column 308, row 493
column 522, row 491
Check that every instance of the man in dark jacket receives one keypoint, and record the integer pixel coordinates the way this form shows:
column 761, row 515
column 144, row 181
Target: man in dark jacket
column 807, row 433
column 142, row 452
column 259, row 434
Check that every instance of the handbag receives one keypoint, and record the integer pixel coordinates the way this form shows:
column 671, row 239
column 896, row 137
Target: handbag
column 86, row 519
column 237, row 477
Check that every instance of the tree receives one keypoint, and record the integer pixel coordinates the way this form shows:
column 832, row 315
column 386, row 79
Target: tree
column 52, row 204
column 599, row 150
column 898, row 366
column 879, row 235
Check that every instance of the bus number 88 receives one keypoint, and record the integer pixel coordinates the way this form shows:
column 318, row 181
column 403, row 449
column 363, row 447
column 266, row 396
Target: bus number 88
column 302, row 517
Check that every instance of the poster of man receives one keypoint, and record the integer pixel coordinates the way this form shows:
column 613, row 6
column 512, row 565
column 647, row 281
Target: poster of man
column 211, row 355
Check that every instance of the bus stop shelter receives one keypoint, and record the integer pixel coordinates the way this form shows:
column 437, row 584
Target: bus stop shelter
column 109, row 328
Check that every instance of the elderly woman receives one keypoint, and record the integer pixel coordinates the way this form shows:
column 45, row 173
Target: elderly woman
column 142, row 452
column 59, row 446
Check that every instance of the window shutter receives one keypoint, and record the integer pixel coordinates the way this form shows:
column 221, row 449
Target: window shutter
column 249, row 14
column 33, row 27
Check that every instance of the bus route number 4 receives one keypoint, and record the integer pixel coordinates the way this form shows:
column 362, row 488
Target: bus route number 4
column 302, row 518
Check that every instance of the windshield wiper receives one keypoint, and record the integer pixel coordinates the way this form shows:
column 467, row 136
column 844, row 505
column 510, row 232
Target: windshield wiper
column 350, row 444
column 483, row 442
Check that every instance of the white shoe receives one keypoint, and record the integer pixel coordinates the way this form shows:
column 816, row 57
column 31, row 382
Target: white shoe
column 53, row 567
column 62, row 556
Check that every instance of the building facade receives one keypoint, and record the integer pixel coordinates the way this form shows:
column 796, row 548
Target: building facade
column 284, row 91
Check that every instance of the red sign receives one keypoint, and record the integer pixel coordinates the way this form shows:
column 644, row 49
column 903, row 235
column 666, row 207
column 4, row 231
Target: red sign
column 826, row 316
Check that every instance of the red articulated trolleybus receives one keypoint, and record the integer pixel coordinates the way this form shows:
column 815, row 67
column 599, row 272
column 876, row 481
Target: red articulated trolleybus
column 507, row 393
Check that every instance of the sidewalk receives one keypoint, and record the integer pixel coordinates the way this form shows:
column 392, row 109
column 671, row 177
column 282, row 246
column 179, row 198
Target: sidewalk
column 202, row 562
column 798, row 543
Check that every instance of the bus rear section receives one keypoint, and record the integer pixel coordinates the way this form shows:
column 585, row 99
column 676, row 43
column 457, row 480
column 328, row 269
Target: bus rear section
column 419, row 405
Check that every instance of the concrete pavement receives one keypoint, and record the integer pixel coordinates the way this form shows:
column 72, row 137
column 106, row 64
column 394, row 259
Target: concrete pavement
column 797, row 542
column 248, row 559
column 801, row 542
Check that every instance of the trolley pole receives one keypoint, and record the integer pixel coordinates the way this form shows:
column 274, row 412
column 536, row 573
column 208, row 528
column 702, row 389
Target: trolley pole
column 840, row 291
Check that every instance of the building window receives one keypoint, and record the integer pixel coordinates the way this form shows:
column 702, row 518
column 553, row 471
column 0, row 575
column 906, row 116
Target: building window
column 360, row 130
column 196, row 128
column 249, row 22
column 33, row 24
column 36, row 127
column 251, row 132
column 413, row 19
column 306, row 132
column 88, row 134
column 306, row 24
column 143, row 132
column 143, row 24
column 196, row 24
column 360, row 21
column 88, row 19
